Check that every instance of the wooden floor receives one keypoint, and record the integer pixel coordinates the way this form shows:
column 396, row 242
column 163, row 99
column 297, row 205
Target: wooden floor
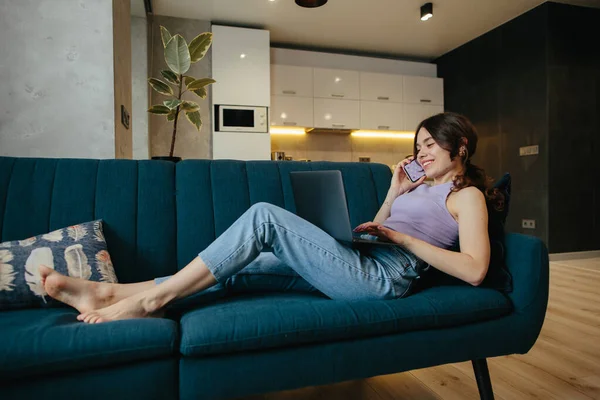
column 564, row 364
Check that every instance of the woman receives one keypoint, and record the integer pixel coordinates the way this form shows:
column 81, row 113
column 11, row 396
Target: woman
column 425, row 221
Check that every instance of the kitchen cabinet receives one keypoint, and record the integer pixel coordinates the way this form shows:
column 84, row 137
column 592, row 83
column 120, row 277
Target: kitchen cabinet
column 241, row 146
column 415, row 113
column 423, row 90
column 345, row 99
column 340, row 114
column 381, row 87
column 336, row 84
column 292, row 111
column 375, row 115
column 289, row 80
column 240, row 65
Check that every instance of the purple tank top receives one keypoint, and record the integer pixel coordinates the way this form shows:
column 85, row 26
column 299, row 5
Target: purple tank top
column 423, row 214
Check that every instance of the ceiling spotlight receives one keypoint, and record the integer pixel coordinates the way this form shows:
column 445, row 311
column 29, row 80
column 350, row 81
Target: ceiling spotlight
column 426, row 11
column 311, row 3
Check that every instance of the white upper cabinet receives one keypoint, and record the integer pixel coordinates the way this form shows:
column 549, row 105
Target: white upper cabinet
column 344, row 99
column 340, row 114
column 290, row 80
column 415, row 113
column 291, row 111
column 336, row 84
column 423, row 90
column 381, row 116
column 381, row 87
column 240, row 64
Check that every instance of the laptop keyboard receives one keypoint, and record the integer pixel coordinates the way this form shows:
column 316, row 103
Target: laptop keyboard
column 366, row 236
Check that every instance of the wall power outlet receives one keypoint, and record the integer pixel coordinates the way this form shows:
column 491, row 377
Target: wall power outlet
column 528, row 223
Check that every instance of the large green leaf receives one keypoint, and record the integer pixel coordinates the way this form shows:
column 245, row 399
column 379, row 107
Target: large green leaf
column 188, row 79
column 170, row 76
column 177, row 55
column 194, row 118
column 160, row 86
column 200, row 92
column 173, row 103
column 190, row 106
column 159, row 109
column 165, row 36
column 200, row 83
column 200, row 45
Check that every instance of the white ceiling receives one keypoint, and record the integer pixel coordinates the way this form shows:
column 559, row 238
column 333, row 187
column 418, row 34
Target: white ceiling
column 383, row 27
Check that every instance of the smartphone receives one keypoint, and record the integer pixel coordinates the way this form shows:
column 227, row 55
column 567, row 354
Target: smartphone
column 414, row 171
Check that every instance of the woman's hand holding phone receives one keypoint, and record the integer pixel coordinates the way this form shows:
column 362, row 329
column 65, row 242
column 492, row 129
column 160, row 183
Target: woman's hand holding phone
column 400, row 183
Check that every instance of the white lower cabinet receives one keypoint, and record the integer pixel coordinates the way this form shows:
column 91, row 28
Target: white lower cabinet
column 337, row 114
column 241, row 146
column 291, row 111
column 381, row 116
column 415, row 113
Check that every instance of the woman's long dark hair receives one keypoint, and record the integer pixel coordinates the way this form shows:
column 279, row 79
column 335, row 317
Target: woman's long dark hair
column 452, row 131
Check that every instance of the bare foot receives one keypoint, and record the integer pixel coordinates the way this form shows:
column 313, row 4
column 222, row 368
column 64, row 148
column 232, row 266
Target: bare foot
column 131, row 307
column 81, row 294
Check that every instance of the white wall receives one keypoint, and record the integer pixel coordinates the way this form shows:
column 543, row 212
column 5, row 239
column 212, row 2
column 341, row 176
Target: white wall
column 139, row 85
column 56, row 78
column 356, row 63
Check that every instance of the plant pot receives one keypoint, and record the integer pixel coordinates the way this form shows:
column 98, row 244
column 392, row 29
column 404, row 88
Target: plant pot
column 166, row 158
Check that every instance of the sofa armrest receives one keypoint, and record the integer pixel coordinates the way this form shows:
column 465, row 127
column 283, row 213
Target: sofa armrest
column 527, row 261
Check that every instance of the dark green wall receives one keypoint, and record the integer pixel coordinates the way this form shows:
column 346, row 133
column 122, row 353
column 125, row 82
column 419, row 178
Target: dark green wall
column 535, row 81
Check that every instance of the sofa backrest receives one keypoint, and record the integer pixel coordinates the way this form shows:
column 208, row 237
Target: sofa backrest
column 136, row 200
column 158, row 215
column 212, row 194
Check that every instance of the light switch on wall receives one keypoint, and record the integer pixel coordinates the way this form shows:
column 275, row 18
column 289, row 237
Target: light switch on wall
column 124, row 117
column 529, row 150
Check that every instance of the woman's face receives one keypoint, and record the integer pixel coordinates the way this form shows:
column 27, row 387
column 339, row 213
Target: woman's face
column 434, row 159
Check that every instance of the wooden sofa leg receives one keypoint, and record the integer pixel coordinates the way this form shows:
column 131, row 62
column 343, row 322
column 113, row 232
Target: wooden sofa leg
column 483, row 379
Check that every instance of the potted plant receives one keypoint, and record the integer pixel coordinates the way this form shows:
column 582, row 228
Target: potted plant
column 179, row 56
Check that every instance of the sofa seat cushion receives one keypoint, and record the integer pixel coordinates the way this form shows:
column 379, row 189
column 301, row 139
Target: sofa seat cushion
column 252, row 322
column 43, row 341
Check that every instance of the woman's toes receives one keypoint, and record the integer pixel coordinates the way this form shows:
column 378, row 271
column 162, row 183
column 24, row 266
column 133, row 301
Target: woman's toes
column 44, row 271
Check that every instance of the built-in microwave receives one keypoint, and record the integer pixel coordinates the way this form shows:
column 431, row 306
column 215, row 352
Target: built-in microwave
column 241, row 119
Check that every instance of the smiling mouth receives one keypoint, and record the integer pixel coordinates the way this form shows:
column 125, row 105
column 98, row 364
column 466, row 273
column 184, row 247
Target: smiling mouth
column 426, row 164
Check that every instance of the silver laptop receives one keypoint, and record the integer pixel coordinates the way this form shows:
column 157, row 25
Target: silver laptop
column 321, row 200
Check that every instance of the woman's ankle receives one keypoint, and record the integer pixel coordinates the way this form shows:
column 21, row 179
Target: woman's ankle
column 154, row 302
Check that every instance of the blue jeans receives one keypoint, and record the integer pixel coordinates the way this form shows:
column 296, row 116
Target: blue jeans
column 270, row 248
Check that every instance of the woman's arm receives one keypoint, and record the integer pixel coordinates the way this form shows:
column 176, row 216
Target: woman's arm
column 399, row 185
column 386, row 207
column 471, row 264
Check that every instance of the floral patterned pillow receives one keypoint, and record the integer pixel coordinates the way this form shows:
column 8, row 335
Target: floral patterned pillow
column 78, row 251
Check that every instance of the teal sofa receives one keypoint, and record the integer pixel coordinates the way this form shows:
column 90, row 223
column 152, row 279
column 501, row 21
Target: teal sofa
column 158, row 216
